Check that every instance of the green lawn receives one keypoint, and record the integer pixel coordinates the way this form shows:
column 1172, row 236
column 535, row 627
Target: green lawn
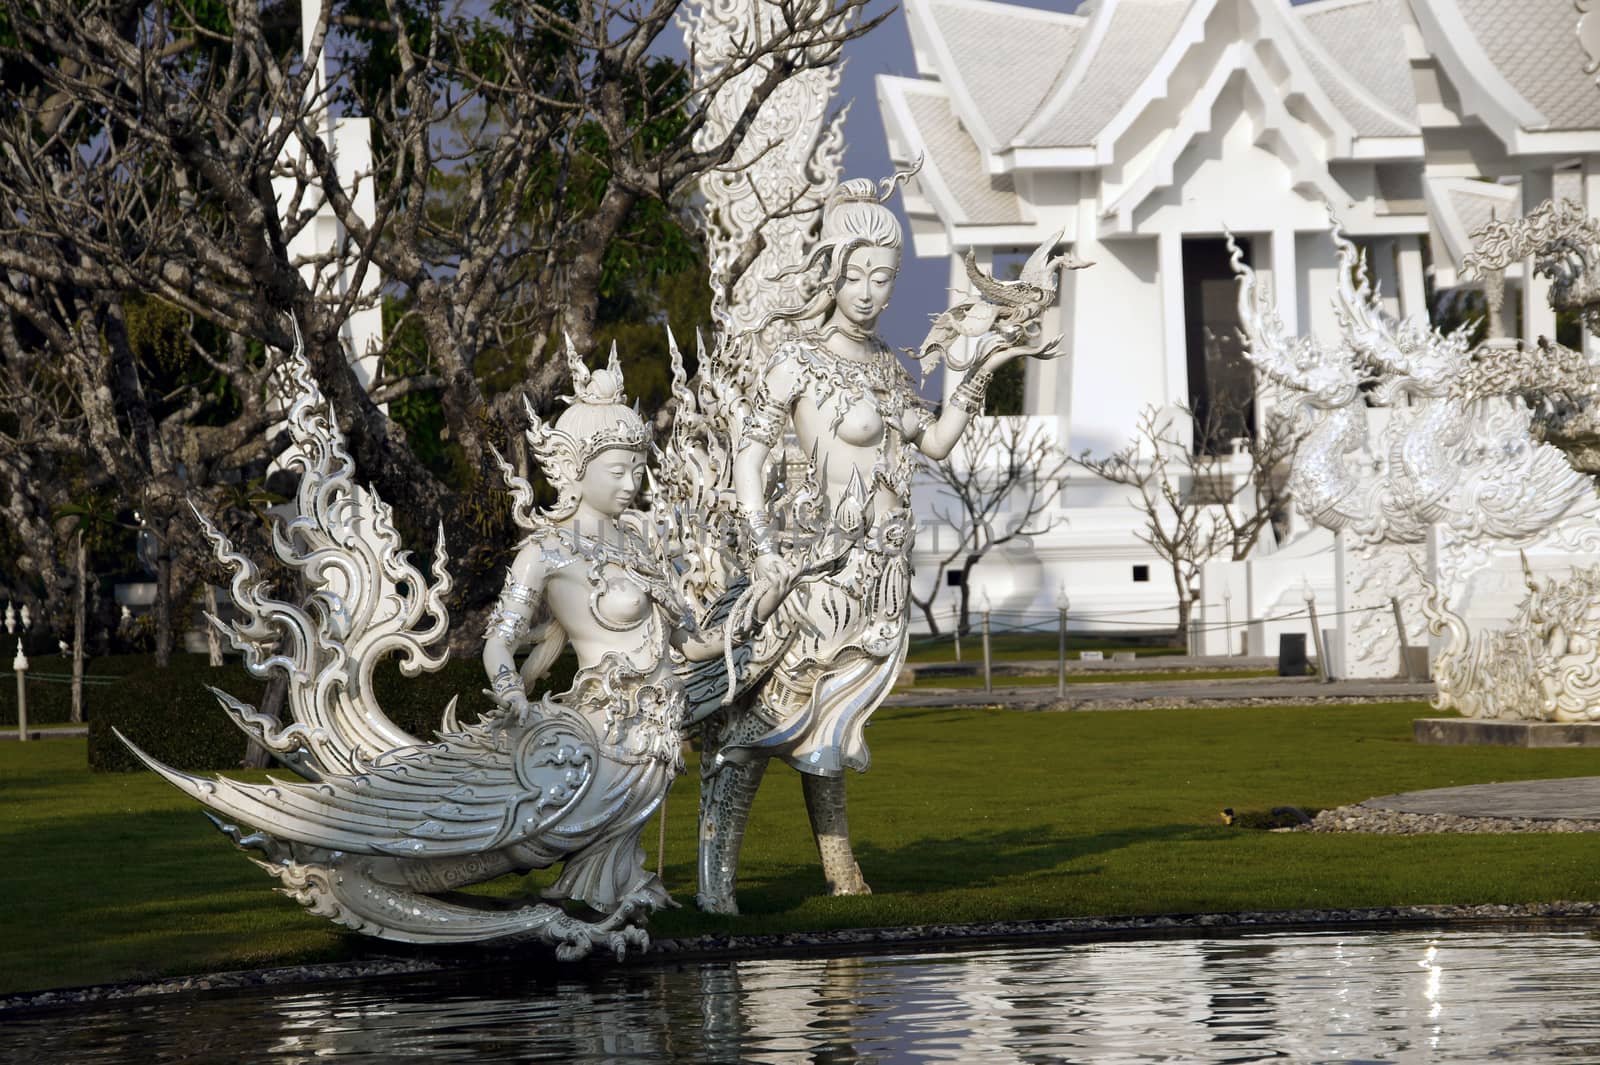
column 1107, row 677
column 967, row 815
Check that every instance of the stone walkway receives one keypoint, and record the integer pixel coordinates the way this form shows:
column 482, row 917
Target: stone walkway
column 1569, row 798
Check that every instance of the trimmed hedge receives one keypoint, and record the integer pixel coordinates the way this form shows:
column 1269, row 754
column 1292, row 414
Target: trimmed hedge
column 172, row 716
column 50, row 687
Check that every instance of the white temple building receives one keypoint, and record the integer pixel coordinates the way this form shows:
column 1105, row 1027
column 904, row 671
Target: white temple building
column 1145, row 129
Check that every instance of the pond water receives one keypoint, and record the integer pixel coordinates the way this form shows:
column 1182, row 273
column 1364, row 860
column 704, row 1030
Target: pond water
column 1445, row 996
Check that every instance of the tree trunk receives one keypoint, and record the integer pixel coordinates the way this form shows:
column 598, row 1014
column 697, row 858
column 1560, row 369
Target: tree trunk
column 582, row 298
column 80, row 617
column 255, row 755
column 963, row 621
column 163, row 604
column 1185, row 605
column 213, row 638
column 927, row 611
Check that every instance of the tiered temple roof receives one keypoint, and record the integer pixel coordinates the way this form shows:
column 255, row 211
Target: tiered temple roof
column 1005, row 91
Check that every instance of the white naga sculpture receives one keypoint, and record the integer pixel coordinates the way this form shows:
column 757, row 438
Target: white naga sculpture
column 1455, row 450
column 1456, row 457
column 1543, row 663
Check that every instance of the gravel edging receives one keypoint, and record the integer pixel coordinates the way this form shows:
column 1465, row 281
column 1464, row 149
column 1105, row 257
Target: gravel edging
column 1360, row 818
column 1021, row 699
column 842, row 941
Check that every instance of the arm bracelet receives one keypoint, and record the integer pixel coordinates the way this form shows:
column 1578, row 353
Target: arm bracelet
column 968, row 395
column 513, row 612
column 506, row 681
column 759, row 523
column 765, row 425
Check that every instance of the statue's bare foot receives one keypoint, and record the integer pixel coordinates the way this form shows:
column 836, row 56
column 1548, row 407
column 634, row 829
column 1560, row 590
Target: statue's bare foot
column 724, row 904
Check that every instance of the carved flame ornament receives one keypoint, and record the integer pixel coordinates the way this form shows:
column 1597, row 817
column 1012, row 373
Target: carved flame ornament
column 1543, row 666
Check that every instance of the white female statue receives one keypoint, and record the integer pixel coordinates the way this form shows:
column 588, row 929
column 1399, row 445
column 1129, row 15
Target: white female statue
column 856, row 414
column 591, row 574
column 383, row 822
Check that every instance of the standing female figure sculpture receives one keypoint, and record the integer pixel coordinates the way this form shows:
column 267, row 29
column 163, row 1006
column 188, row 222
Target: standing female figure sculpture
column 857, row 417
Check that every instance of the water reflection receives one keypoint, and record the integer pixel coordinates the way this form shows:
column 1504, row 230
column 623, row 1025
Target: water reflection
column 1373, row 997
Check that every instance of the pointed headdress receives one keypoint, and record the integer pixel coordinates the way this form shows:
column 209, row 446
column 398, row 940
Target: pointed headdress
column 598, row 418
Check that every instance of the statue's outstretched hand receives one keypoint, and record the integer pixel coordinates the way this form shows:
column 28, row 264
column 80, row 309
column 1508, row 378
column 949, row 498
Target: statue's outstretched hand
column 517, row 708
column 1005, row 317
column 774, row 580
column 998, row 347
column 770, row 569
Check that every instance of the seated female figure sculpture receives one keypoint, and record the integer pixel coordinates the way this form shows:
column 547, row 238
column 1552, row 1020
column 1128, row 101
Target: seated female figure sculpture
column 587, row 575
column 383, row 822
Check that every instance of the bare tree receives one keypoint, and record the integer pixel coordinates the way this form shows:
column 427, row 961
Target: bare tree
column 1196, row 501
column 995, row 487
column 100, row 412
column 527, row 158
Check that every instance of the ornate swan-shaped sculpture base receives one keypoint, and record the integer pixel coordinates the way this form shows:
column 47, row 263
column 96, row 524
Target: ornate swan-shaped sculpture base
column 382, row 822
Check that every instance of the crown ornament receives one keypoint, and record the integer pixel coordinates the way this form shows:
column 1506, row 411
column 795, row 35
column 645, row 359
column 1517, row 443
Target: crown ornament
column 597, row 388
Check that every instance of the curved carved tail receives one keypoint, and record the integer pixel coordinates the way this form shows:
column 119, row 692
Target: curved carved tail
column 362, row 600
column 352, row 891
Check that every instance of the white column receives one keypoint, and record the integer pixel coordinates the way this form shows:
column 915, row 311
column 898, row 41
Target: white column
column 1413, row 289
column 1169, row 271
column 1591, row 209
column 1057, row 400
column 1286, row 280
column 1285, row 293
column 1380, row 260
column 1039, row 378
column 1538, row 318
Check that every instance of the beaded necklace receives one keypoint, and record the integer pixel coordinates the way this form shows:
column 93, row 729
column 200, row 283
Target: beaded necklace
column 878, row 381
